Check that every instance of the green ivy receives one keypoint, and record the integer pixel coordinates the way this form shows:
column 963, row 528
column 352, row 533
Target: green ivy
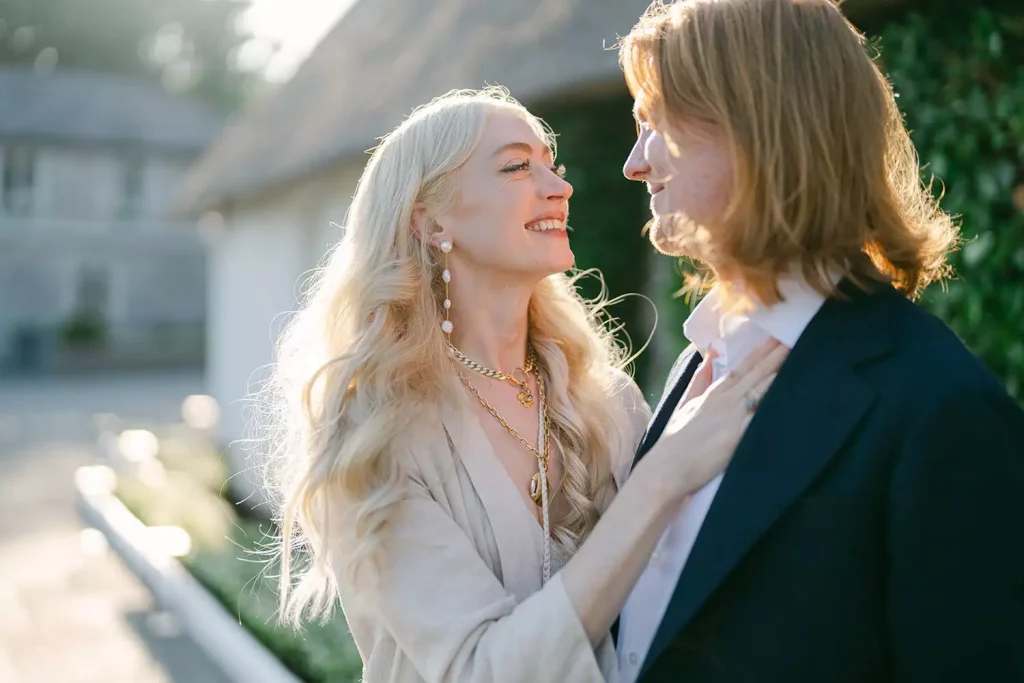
column 607, row 212
column 959, row 74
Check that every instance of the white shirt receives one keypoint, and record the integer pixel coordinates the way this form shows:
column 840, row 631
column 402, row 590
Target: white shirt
column 732, row 336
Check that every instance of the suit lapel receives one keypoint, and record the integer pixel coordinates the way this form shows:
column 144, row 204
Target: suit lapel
column 675, row 386
column 810, row 411
column 679, row 379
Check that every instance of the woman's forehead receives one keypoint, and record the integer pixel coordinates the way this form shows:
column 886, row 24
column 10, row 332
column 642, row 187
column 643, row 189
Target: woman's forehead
column 508, row 129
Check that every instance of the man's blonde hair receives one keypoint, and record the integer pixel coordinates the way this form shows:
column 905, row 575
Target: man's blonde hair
column 825, row 173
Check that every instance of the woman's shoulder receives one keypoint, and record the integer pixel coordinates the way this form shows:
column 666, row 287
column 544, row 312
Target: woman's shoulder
column 628, row 397
column 633, row 413
column 425, row 449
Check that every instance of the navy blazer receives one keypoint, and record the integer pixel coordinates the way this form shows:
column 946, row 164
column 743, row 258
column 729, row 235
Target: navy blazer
column 871, row 524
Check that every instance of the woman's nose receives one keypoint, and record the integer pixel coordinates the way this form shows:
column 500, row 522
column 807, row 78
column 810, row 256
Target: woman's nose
column 556, row 187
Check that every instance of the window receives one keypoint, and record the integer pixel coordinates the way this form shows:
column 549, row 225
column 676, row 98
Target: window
column 92, row 292
column 132, row 187
column 19, row 179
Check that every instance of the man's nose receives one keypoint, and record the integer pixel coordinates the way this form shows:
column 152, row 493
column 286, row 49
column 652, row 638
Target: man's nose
column 636, row 167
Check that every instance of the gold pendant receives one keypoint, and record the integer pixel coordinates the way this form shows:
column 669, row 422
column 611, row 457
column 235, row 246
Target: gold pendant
column 525, row 397
column 536, row 492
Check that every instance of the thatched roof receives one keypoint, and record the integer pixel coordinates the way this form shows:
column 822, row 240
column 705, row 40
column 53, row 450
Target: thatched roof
column 82, row 107
column 385, row 57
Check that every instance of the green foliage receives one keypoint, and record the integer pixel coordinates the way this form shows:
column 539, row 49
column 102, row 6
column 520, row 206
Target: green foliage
column 230, row 557
column 235, row 573
column 190, row 40
column 83, row 331
column 961, row 86
column 607, row 212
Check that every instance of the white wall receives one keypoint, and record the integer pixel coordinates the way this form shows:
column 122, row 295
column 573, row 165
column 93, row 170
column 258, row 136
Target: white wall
column 253, row 267
column 257, row 262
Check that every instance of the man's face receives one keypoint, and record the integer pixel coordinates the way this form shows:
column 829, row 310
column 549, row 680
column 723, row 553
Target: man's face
column 689, row 173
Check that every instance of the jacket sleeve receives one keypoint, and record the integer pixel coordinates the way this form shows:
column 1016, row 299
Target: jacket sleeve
column 453, row 618
column 956, row 584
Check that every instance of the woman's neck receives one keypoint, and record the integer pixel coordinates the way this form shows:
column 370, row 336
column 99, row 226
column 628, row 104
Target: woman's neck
column 490, row 321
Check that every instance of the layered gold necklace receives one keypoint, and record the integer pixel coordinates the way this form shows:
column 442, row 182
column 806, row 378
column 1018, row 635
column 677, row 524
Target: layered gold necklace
column 539, row 481
column 525, row 395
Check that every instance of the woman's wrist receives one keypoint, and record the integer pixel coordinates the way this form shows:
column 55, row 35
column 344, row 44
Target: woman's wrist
column 665, row 476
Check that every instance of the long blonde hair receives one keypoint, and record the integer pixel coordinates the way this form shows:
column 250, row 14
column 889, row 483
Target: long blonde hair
column 365, row 353
column 826, row 175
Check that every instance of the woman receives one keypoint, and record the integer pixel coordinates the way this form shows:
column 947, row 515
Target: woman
column 454, row 422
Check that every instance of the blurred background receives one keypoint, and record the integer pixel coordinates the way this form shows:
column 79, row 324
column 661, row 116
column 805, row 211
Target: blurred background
column 170, row 172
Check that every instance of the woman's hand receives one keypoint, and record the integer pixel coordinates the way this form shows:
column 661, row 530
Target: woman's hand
column 697, row 444
column 703, row 433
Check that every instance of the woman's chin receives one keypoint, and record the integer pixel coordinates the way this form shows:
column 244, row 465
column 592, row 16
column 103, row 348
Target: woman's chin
column 564, row 260
column 555, row 259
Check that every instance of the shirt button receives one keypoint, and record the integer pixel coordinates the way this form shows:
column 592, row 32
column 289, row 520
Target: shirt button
column 655, row 559
column 632, row 659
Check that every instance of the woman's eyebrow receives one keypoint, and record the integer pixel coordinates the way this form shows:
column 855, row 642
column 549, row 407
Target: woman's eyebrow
column 526, row 147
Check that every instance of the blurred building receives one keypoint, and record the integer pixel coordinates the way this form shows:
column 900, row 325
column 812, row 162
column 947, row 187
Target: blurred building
column 93, row 271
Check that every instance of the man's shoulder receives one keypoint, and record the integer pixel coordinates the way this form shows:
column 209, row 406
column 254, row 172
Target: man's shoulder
column 931, row 356
column 955, row 413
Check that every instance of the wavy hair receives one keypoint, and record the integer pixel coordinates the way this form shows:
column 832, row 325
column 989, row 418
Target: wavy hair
column 365, row 353
column 826, row 175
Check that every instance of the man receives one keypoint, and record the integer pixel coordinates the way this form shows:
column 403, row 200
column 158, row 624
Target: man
column 871, row 524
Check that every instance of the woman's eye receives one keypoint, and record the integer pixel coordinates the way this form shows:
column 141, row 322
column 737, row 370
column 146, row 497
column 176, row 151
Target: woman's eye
column 557, row 169
column 514, row 168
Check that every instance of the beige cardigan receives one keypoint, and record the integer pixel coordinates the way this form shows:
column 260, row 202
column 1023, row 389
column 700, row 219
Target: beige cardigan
column 459, row 599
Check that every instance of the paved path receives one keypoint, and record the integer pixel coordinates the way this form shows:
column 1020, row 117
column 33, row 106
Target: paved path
column 69, row 611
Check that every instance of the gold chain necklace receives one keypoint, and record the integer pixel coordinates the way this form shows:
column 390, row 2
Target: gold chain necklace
column 525, row 395
column 536, row 492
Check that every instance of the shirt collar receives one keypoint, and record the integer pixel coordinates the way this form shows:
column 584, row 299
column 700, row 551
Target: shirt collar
column 702, row 326
column 785, row 321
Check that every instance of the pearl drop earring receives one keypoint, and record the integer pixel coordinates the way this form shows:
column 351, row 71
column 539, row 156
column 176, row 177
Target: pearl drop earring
column 446, row 326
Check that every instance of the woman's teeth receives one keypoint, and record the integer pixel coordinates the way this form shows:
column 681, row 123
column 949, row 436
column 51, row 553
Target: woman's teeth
column 544, row 226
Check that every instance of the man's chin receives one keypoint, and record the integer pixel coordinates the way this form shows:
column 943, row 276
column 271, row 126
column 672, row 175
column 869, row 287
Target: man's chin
column 672, row 250
column 664, row 237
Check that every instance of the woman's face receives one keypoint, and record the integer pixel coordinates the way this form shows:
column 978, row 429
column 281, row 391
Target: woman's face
column 509, row 218
column 690, row 179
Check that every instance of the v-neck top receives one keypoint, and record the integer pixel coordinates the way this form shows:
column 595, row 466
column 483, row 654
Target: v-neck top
column 459, row 595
